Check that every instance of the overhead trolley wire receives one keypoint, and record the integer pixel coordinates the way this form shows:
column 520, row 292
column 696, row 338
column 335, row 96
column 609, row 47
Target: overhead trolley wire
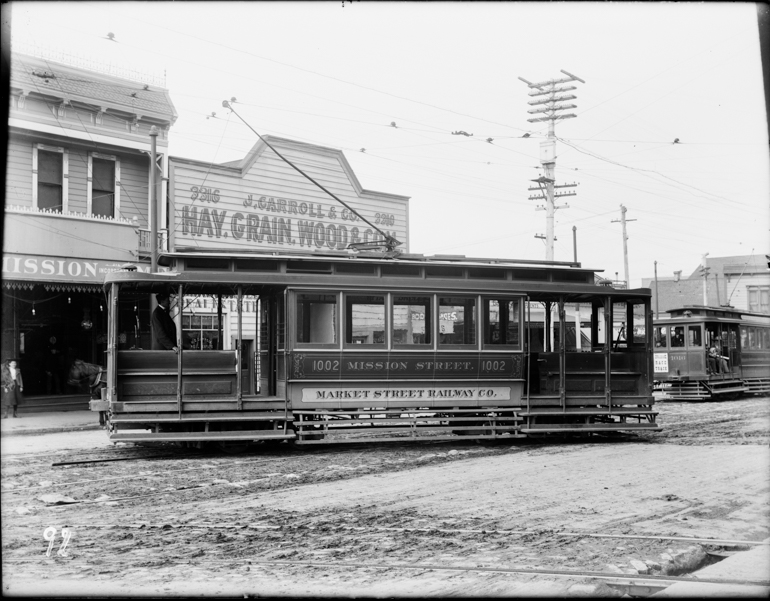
column 390, row 241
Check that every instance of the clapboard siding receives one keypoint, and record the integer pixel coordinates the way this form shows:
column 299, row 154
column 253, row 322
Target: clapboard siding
column 134, row 181
column 18, row 175
column 78, row 180
column 284, row 194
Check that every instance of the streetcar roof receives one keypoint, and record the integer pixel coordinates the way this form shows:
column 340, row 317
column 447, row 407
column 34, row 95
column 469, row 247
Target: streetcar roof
column 708, row 313
column 199, row 270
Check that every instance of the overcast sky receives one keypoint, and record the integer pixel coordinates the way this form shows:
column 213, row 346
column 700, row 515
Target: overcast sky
column 338, row 74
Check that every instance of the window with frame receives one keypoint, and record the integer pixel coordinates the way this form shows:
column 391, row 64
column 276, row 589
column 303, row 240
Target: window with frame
column 316, row 318
column 759, row 299
column 744, row 337
column 620, row 326
column 412, row 321
column 50, row 180
column 501, row 322
column 695, row 336
column 365, row 319
column 200, row 332
column 639, row 325
column 103, row 187
column 457, row 321
column 659, row 336
column 677, row 336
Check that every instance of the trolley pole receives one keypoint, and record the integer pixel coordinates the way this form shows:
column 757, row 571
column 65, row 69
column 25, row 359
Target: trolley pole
column 552, row 93
column 623, row 221
column 153, row 201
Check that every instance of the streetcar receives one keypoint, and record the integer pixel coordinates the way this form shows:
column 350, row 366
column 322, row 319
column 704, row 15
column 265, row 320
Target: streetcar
column 353, row 347
column 711, row 353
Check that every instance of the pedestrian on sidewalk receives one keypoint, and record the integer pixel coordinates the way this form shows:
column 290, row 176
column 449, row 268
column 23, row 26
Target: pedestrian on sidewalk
column 12, row 386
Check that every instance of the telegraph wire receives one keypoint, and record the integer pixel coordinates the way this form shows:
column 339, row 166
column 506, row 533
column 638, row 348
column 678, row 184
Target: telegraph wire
column 390, row 241
column 640, row 169
column 183, row 33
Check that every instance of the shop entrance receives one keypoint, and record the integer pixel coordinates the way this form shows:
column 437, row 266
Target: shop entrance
column 46, row 330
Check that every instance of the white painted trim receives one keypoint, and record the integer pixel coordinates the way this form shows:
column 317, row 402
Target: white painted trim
column 90, row 137
column 90, row 187
column 117, row 187
column 34, row 176
column 65, row 174
column 65, row 192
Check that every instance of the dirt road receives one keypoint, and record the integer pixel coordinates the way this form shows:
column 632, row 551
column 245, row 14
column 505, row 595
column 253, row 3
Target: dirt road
column 418, row 520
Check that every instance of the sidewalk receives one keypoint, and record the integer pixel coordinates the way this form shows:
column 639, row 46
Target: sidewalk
column 47, row 423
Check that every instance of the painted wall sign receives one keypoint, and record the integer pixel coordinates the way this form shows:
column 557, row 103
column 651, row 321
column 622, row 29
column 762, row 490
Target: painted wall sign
column 384, row 366
column 59, row 269
column 428, row 395
column 268, row 205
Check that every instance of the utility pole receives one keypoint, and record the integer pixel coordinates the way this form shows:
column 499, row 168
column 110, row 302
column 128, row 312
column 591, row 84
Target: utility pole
column 153, row 201
column 704, row 271
column 574, row 243
column 623, row 221
column 552, row 93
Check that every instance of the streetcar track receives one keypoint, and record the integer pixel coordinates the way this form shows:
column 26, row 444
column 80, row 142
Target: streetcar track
column 144, row 475
column 635, row 578
column 719, row 542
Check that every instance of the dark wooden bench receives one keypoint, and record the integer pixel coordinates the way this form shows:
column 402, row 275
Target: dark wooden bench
column 154, row 375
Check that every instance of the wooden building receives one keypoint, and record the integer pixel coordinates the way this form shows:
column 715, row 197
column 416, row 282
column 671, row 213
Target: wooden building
column 76, row 207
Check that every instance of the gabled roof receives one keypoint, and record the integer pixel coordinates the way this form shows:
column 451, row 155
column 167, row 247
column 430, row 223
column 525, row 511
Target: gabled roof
column 47, row 77
column 736, row 264
column 287, row 144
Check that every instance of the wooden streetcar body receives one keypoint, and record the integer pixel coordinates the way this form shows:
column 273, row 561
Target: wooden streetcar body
column 739, row 364
column 367, row 347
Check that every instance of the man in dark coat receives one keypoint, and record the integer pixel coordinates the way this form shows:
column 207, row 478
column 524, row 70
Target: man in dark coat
column 163, row 326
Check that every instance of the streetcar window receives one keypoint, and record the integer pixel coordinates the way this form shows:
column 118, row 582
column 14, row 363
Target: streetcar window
column 501, row 322
column 753, row 338
column 639, row 326
column 695, row 338
column 598, row 333
column 412, row 320
column 457, row 321
column 659, row 336
column 744, row 337
column 619, row 325
column 365, row 319
column 316, row 321
column 677, row 336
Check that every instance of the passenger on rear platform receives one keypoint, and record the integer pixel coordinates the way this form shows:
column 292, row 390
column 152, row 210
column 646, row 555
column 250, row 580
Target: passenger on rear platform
column 717, row 363
column 163, row 326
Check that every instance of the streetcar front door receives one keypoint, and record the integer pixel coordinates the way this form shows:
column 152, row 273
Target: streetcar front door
column 272, row 344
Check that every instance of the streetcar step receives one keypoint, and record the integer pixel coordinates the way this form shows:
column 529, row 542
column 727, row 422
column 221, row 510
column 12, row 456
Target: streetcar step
column 199, row 417
column 538, row 428
column 195, row 436
column 587, row 411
